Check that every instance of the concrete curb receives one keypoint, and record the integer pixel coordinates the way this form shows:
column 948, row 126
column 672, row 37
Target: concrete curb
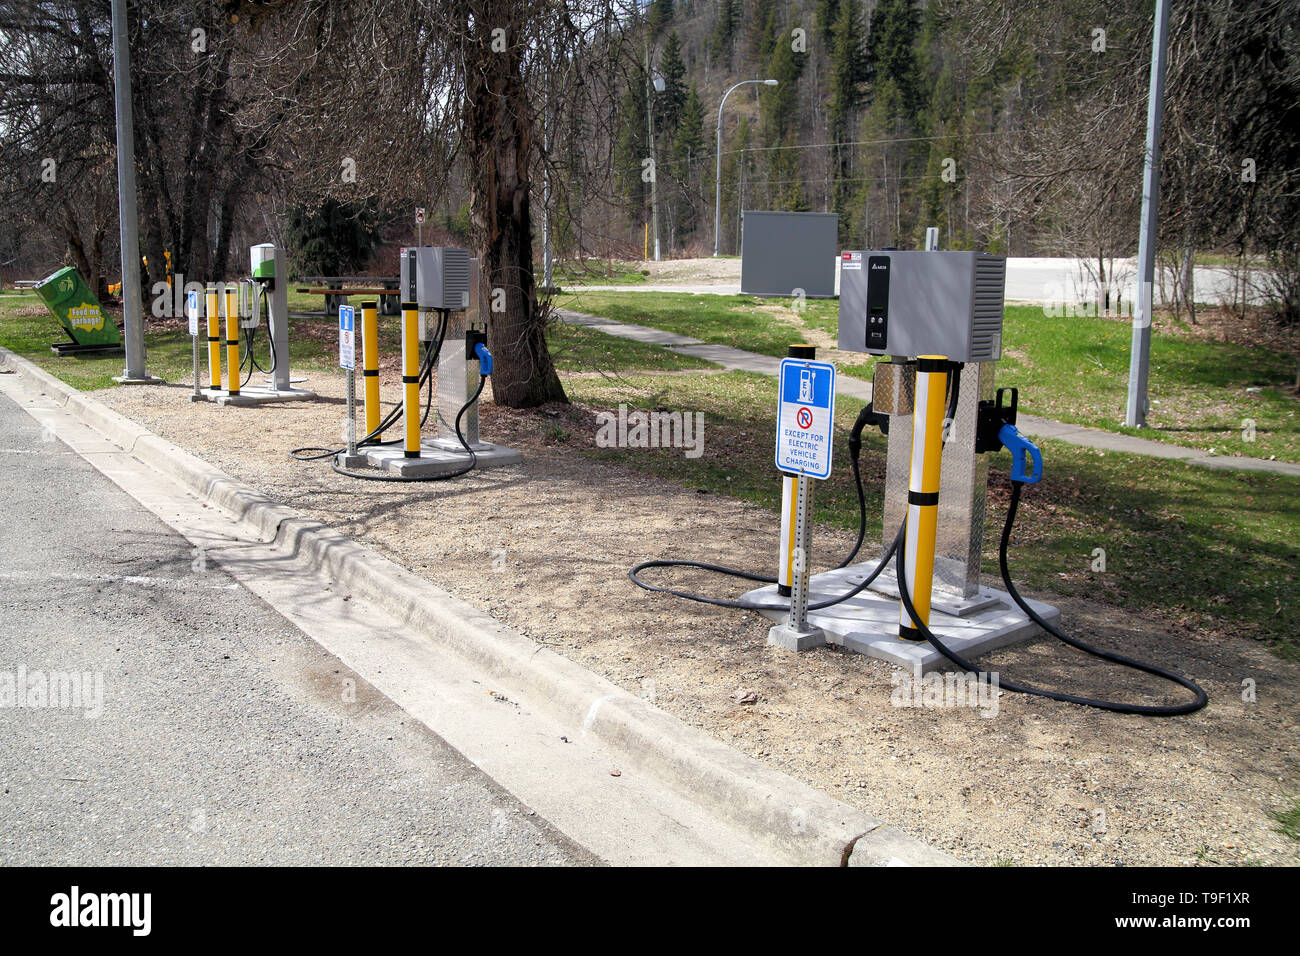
column 801, row 824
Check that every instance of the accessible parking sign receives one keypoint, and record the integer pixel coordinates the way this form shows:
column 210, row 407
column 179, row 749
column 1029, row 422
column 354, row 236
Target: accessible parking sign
column 805, row 417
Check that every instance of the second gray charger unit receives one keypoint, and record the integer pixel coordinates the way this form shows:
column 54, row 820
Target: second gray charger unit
column 436, row 277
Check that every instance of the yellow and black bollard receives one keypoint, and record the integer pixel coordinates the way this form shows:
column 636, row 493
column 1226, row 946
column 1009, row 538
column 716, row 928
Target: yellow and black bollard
column 214, row 338
column 370, row 362
column 923, row 488
column 232, row 340
column 410, row 378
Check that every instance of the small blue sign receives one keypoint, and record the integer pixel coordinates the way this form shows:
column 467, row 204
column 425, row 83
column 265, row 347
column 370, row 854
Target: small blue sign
column 805, row 417
column 347, row 337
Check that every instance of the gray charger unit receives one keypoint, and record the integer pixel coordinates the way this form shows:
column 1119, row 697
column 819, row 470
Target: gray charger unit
column 436, row 277
column 922, row 303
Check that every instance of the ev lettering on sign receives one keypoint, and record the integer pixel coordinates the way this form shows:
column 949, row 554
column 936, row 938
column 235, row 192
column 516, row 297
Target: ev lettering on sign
column 805, row 417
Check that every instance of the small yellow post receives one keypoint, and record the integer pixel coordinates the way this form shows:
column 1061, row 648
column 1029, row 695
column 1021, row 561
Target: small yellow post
column 370, row 362
column 411, row 377
column 214, row 338
column 232, row 340
column 646, row 253
column 923, row 488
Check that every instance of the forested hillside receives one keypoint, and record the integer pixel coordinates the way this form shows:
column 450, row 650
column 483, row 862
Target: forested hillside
column 1012, row 126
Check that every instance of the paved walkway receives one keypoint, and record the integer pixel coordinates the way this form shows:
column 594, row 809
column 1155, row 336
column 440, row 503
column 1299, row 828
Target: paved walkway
column 738, row 359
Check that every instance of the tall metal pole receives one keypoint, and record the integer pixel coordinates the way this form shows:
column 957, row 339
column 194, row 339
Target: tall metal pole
column 132, row 319
column 654, row 172
column 1140, row 359
column 717, row 177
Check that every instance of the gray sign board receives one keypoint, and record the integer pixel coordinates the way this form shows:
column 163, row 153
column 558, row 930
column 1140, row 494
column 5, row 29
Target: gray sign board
column 785, row 251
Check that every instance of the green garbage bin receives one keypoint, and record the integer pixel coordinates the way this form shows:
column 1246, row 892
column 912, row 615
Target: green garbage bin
column 66, row 294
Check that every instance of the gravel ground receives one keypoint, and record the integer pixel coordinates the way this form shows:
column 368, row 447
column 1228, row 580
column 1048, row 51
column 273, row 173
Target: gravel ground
column 545, row 546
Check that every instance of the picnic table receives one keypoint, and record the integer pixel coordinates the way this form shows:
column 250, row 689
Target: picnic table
column 336, row 290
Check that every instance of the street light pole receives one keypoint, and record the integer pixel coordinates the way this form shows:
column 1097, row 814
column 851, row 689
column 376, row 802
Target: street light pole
column 717, row 179
column 129, row 223
column 1140, row 359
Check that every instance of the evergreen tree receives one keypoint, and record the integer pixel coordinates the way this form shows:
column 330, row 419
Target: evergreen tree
column 828, row 13
column 724, row 30
column 689, row 165
column 669, row 103
column 631, row 149
column 659, row 15
column 848, row 69
column 891, row 49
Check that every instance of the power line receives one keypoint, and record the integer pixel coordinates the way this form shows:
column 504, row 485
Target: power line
column 859, row 142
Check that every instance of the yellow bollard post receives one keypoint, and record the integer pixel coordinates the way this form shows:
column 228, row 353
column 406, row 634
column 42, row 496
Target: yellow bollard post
column 785, row 556
column 214, row 338
column 923, row 488
column 411, row 377
column 370, row 362
column 232, row 340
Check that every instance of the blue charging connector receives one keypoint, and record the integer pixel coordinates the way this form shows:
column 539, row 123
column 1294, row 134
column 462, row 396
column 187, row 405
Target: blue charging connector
column 1022, row 450
column 485, row 359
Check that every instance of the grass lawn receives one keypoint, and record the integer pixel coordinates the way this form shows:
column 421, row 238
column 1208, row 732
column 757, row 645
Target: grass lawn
column 26, row 327
column 1203, row 394
column 1202, row 547
column 570, row 272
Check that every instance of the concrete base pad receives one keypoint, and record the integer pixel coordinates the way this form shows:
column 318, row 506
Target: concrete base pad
column 147, row 380
column 351, row 462
column 439, row 461
column 868, row 622
column 783, row 635
column 259, row 395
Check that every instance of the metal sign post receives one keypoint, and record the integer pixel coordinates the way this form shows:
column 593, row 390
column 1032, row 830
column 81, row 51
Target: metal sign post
column 804, row 439
column 419, row 225
column 348, row 362
column 192, row 313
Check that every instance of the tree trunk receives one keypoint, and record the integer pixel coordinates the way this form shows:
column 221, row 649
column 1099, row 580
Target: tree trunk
column 499, row 139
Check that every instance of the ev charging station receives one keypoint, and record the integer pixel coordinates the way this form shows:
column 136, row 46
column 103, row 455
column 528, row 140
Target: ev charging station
column 930, row 316
column 236, row 307
column 937, row 319
column 441, row 318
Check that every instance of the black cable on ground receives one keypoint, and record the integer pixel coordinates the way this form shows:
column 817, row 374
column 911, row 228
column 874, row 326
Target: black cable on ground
column 1149, row 710
column 634, row 574
column 432, row 350
column 473, row 458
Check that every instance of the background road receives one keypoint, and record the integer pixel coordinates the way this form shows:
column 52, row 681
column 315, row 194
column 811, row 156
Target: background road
column 227, row 736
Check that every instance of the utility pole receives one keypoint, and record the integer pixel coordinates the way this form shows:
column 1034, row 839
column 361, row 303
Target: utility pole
column 650, row 87
column 1140, row 359
column 128, row 220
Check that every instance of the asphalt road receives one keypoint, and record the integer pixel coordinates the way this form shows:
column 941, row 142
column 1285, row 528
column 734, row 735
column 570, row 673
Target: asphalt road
column 223, row 735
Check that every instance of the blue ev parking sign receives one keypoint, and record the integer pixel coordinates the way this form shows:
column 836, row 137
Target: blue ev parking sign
column 805, row 417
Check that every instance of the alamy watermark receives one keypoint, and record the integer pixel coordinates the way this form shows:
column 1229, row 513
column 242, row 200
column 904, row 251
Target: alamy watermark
column 61, row 690
column 638, row 429
column 935, row 689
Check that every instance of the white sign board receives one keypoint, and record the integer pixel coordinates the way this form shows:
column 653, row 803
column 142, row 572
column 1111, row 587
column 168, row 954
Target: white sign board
column 347, row 337
column 192, row 310
column 805, row 417
column 419, row 215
